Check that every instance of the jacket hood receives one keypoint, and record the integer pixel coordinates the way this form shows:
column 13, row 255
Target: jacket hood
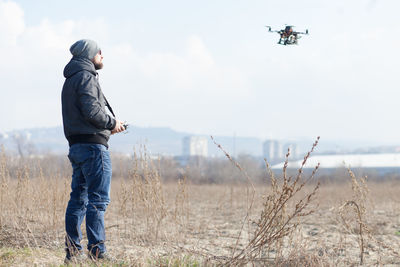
column 78, row 64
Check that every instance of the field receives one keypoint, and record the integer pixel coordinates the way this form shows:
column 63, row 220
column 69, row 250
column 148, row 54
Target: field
column 283, row 220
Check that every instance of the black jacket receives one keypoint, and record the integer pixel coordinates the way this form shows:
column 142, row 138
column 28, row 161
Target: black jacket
column 83, row 105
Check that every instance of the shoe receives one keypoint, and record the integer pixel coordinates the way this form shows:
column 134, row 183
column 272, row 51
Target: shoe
column 103, row 256
column 75, row 259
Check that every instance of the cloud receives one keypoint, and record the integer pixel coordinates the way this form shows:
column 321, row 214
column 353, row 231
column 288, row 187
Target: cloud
column 11, row 23
column 183, row 79
column 193, row 70
column 48, row 36
column 31, row 69
column 47, row 41
column 198, row 54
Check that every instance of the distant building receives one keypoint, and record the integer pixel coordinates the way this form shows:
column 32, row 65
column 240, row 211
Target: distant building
column 294, row 150
column 273, row 150
column 195, row 146
column 386, row 160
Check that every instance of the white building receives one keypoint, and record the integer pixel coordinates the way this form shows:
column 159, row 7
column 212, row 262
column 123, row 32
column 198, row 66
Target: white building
column 273, row 150
column 195, row 146
column 294, row 150
column 387, row 160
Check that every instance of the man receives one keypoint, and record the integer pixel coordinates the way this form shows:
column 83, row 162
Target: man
column 87, row 127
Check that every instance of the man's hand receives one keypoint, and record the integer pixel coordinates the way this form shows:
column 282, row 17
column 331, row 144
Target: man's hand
column 119, row 127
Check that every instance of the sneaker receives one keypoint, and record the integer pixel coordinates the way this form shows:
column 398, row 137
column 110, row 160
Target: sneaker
column 75, row 259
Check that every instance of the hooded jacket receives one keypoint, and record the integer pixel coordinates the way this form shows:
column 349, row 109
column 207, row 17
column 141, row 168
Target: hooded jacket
column 85, row 118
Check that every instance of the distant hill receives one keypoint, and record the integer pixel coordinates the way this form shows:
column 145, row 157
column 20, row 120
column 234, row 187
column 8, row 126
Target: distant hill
column 168, row 142
column 158, row 141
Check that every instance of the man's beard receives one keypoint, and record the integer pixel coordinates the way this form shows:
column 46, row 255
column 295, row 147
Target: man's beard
column 98, row 66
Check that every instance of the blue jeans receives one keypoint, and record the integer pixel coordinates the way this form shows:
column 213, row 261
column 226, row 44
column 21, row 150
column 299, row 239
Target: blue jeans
column 91, row 178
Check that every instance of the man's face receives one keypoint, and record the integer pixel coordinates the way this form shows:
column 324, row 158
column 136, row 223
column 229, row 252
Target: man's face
column 98, row 61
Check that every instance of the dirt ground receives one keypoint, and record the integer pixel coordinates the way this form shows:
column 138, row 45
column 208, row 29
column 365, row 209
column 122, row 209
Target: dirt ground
column 154, row 224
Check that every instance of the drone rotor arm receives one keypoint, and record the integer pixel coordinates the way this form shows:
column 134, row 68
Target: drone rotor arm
column 270, row 29
column 306, row 32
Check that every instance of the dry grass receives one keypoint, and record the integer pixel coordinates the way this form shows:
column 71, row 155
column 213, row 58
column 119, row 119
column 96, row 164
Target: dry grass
column 290, row 221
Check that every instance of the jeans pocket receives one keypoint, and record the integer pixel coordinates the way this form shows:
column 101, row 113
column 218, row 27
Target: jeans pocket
column 80, row 153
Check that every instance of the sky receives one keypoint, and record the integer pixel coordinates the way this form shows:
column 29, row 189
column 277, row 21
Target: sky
column 211, row 67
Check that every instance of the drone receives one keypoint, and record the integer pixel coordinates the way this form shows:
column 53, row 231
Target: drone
column 287, row 35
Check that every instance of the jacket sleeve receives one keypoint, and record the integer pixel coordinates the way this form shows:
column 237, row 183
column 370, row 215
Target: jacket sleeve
column 90, row 105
